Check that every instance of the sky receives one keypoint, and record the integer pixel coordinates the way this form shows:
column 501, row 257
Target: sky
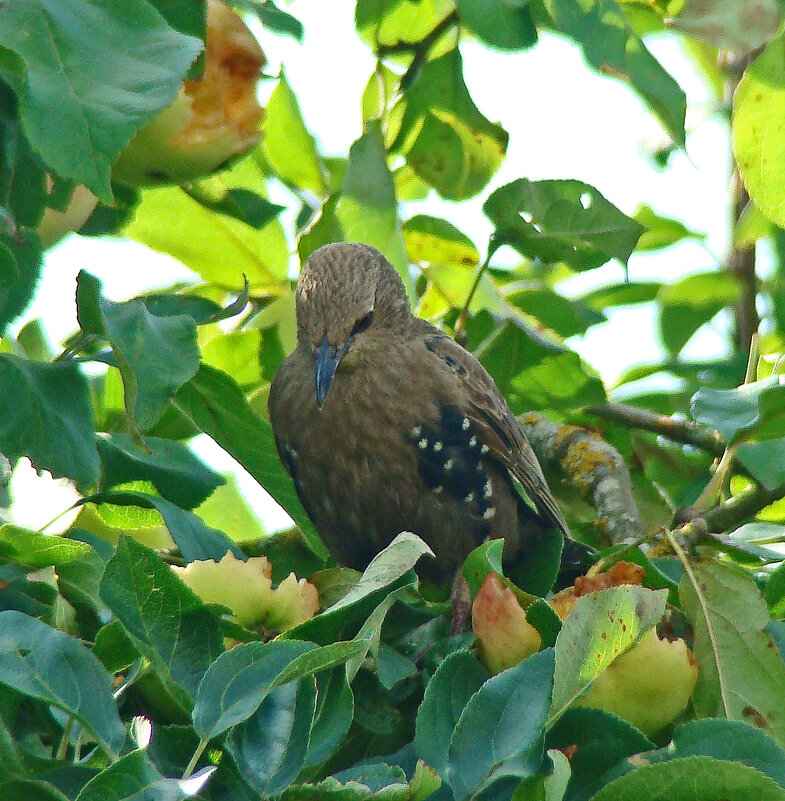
column 564, row 121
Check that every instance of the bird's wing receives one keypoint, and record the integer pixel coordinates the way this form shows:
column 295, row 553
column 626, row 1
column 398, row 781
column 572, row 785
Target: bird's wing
column 495, row 424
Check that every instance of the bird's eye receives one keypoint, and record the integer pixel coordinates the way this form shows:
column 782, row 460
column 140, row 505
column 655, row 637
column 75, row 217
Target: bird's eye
column 363, row 323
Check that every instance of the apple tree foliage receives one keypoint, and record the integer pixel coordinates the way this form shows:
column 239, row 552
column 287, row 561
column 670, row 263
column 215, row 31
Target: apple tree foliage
column 118, row 681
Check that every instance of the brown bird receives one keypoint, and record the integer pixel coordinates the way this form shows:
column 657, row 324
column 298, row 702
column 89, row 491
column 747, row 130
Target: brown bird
column 388, row 425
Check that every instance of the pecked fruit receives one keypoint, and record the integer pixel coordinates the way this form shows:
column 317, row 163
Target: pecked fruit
column 212, row 119
column 246, row 587
column 648, row 685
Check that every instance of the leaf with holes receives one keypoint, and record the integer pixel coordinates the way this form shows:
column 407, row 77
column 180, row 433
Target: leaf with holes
column 566, row 221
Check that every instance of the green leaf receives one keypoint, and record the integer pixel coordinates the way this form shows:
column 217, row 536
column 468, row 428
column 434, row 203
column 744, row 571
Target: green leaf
column 45, row 414
column 500, row 731
column 287, row 145
column 274, row 19
column 611, row 46
column 220, row 248
column 534, row 373
column 155, row 355
column 601, row 626
column 239, row 680
column 30, row 790
column 742, row 677
column 661, row 232
column 740, row 26
column 236, row 353
column 194, row 538
column 166, row 620
column 47, row 664
column 484, row 559
column 774, row 592
column 765, row 460
column 334, row 714
column 135, row 778
column 172, row 467
column 697, row 778
column 20, row 269
column 723, row 739
column 269, row 748
column 242, row 204
column 751, row 411
column 565, row 317
column 227, row 509
column 627, row 293
column 443, row 135
column 499, row 23
column 602, row 741
column 38, row 550
column 142, row 61
column 389, row 570
column 217, row 406
column 448, row 692
column 556, row 221
column 436, row 241
column 758, row 130
column 385, row 568
column 690, row 302
column 388, row 22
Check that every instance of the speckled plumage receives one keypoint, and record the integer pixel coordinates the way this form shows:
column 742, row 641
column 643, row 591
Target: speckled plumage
column 412, row 434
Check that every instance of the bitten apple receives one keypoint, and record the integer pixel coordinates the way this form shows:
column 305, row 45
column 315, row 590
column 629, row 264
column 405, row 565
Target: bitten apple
column 212, row 119
column 246, row 587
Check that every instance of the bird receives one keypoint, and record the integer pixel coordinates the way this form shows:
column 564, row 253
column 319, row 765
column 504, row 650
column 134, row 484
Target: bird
column 386, row 424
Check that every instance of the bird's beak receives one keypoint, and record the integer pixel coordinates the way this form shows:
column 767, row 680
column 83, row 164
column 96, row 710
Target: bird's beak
column 327, row 358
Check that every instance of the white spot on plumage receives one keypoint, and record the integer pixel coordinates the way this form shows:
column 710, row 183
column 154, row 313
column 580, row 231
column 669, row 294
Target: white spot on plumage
column 473, row 442
column 449, row 464
column 484, row 449
column 437, row 490
column 469, row 498
column 437, row 446
column 416, row 431
column 423, row 443
column 489, row 513
column 487, row 489
column 465, row 424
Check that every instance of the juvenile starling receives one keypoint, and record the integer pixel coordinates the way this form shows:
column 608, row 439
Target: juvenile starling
column 388, row 425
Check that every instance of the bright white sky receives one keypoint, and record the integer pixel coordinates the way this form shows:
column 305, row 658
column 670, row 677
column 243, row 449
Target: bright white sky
column 564, row 121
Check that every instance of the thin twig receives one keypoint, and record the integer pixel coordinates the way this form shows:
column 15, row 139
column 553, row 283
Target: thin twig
column 686, row 432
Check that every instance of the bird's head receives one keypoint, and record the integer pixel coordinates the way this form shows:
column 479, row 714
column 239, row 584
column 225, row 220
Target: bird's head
column 349, row 300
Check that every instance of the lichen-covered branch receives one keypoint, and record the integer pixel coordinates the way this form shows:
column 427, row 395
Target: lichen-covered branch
column 686, row 432
column 593, row 467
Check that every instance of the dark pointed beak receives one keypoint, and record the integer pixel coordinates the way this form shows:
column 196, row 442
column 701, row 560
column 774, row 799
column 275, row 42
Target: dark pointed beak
column 327, row 358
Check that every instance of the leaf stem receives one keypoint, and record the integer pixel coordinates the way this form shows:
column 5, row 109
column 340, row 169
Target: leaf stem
column 460, row 324
column 195, row 758
column 62, row 749
column 712, row 489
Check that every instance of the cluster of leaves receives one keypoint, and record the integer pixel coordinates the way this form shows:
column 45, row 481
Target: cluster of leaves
column 98, row 636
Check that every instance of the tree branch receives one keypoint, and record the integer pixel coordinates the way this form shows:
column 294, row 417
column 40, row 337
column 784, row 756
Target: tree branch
column 686, row 432
column 741, row 507
column 593, row 467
